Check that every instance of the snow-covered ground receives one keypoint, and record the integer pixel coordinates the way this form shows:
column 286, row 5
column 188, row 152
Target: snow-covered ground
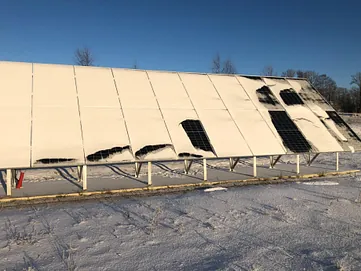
column 269, row 227
column 293, row 226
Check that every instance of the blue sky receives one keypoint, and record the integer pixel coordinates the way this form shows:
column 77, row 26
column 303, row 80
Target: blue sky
column 185, row 35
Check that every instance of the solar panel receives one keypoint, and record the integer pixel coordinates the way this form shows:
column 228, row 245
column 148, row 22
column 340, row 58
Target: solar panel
column 67, row 115
column 291, row 136
column 290, row 97
column 196, row 134
column 342, row 124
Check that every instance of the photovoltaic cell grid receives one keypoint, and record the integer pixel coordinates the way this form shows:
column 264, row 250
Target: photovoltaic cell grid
column 197, row 135
column 291, row 136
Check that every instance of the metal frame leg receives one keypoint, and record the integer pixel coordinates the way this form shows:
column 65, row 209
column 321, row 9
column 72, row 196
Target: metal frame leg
column 273, row 161
column 337, row 161
column 205, row 175
column 298, row 164
column 254, row 166
column 187, row 165
column 138, row 166
column 233, row 163
column 9, row 182
column 149, row 173
column 84, row 177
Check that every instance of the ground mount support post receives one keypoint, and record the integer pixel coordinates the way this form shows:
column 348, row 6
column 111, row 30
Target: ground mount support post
column 205, row 175
column 254, row 166
column 187, row 165
column 138, row 166
column 232, row 163
column 149, row 173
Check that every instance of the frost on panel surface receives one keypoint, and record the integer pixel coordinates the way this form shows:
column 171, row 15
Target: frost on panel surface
column 148, row 134
column 189, row 137
column 15, row 114
column 201, row 91
column 336, row 126
column 134, row 89
column 306, row 121
column 56, row 129
column 169, row 90
column 104, row 131
column 223, row 134
column 252, row 125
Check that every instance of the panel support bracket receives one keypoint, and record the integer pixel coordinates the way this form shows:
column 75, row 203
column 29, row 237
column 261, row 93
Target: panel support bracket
column 138, row 166
column 233, row 162
column 274, row 161
column 311, row 159
column 187, row 165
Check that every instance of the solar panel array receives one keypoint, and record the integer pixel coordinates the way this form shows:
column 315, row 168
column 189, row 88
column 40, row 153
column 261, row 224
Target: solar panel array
column 70, row 115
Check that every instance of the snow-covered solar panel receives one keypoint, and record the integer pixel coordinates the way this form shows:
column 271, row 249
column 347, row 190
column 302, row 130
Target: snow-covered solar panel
column 61, row 115
column 306, row 121
column 347, row 139
column 56, row 128
column 103, row 125
column 260, row 137
column 15, row 114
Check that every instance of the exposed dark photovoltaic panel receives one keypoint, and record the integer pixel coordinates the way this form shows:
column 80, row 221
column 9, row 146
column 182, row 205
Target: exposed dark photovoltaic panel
column 291, row 136
column 290, row 97
column 197, row 134
column 342, row 124
column 266, row 96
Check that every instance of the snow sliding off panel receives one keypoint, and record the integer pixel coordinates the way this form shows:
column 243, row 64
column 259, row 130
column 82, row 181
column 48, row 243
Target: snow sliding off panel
column 15, row 114
column 345, row 136
column 104, row 130
column 148, row 134
column 56, row 137
column 254, row 128
column 308, row 123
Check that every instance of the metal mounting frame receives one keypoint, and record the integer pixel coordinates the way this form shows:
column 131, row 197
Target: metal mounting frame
column 233, row 162
column 273, row 161
column 187, row 165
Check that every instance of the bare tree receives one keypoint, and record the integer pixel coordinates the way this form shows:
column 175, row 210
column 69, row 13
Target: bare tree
column 227, row 67
column 216, row 64
column 84, row 57
column 356, row 80
column 135, row 65
column 268, row 71
column 289, row 73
